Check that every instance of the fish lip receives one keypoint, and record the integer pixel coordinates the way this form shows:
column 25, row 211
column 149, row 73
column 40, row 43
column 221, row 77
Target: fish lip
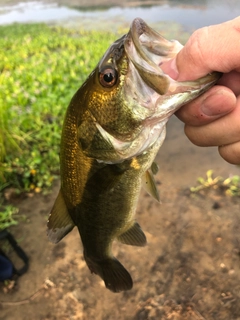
column 159, row 46
column 151, row 45
column 142, row 54
column 139, row 26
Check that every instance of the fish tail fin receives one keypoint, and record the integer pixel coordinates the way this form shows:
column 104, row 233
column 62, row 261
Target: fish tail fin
column 113, row 273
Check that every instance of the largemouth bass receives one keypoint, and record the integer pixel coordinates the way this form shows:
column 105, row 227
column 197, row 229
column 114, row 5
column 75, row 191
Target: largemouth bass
column 113, row 129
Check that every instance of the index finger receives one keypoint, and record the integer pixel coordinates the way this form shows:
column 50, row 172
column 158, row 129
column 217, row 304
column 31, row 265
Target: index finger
column 213, row 48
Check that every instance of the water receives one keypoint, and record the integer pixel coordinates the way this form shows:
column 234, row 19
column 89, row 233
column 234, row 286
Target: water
column 190, row 14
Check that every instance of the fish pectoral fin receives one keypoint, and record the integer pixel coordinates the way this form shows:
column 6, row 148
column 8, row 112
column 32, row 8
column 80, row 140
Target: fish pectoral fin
column 149, row 185
column 59, row 222
column 154, row 168
column 134, row 236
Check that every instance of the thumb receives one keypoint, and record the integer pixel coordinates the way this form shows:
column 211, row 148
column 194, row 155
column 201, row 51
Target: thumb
column 213, row 48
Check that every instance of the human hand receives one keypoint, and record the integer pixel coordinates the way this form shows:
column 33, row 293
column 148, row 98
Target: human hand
column 213, row 119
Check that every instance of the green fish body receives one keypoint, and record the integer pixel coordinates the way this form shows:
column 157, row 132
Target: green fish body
column 113, row 129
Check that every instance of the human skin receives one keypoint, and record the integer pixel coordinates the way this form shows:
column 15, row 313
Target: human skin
column 213, row 119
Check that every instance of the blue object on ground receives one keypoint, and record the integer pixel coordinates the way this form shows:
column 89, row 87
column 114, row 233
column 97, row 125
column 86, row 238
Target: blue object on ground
column 6, row 268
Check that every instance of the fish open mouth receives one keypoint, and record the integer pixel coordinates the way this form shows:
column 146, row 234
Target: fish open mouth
column 148, row 50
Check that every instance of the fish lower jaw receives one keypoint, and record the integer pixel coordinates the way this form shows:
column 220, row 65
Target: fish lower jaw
column 151, row 134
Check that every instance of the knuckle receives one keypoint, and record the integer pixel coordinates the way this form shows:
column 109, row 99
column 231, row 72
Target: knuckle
column 193, row 135
column 196, row 46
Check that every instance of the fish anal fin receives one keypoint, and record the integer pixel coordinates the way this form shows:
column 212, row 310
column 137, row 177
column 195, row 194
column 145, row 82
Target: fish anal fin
column 149, row 185
column 133, row 236
column 59, row 222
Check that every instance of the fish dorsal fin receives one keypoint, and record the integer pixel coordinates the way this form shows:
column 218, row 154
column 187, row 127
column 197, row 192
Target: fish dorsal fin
column 134, row 236
column 149, row 185
column 59, row 222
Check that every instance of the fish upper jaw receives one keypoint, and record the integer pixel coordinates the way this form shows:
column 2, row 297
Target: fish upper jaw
column 148, row 51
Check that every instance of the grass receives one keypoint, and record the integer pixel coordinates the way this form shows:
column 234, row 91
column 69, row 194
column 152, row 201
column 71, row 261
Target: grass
column 41, row 67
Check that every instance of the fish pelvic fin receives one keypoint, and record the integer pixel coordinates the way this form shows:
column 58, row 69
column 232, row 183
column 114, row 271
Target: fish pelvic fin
column 59, row 222
column 134, row 236
column 149, row 184
column 113, row 273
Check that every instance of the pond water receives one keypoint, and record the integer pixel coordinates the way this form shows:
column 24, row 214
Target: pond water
column 190, row 14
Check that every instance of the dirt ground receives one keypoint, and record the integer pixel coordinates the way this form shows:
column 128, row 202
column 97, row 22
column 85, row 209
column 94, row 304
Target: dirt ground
column 190, row 268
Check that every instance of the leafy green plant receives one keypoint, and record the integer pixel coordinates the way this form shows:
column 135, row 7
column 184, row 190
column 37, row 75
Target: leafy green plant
column 41, row 67
column 8, row 216
column 231, row 185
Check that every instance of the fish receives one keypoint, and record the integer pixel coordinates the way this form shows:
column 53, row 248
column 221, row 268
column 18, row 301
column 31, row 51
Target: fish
column 113, row 128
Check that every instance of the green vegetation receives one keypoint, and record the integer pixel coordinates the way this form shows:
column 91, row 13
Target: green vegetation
column 40, row 69
column 8, row 216
column 231, row 185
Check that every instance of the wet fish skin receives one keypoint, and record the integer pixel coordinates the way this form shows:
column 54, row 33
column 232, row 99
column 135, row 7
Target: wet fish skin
column 113, row 129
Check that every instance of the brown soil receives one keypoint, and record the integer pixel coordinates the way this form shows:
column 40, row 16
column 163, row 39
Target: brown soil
column 189, row 270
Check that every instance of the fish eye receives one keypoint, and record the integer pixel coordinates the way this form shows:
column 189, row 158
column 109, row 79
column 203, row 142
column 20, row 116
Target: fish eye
column 108, row 77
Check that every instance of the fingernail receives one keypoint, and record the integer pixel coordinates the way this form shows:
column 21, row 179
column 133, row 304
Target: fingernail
column 213, row 105
column 170, row 68
column 206, row 106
